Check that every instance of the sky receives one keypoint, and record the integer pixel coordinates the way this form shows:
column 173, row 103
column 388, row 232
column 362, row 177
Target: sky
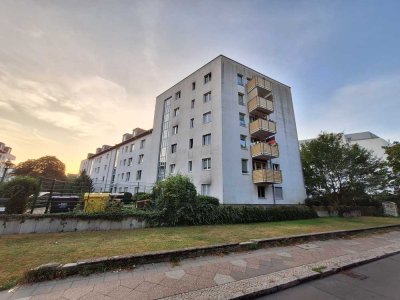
column 75, row 75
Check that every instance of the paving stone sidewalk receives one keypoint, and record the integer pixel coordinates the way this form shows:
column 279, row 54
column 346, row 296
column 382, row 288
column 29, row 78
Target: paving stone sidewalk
column 193, row 278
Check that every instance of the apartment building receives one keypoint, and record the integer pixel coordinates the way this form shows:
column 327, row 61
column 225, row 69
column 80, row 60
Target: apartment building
column 233, row 131
column 5, row 159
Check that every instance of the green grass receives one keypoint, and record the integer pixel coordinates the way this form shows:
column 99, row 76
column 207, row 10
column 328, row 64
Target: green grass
column 21, row 252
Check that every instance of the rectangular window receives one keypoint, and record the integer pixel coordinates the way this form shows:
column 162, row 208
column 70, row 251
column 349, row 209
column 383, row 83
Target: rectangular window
column 177, row 95
column 192, row 104
column 103, row 179
column 125, row 189
column 278, row 193
column 130, row 161
column 142, row 144
column 175, row 130
column 245, row 168
column 242, row 119
column 124, row 162
column 205, row 189
column 206, row 163
column 239, row 79
column 190, row 143
column 140, row 160
column 240, row 99
column 191, row 122
column 193, row 85
column 243, row 143
column 126, row 148
column 172, row 168
column 131, row 147
column 173, row 148
column 207, row 117
column 207, row 139
column 176, row 112
column 122, row 176
column 207, row 97
column 207, row 78
column 190, row 166
column 128, row 176
column 139, row 175
column 136, row 190
column 261, row 191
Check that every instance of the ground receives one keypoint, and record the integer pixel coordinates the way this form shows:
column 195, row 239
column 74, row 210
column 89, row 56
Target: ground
column 22, row 252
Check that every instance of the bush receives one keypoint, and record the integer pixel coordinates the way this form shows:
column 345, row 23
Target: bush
column 142, row 196
column 127, row 198
column 18, row 190
column 172, row 194
column 208, row 200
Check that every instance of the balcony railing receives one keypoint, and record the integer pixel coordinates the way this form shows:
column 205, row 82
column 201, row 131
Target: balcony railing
column 267, row 176
column 260, row 106
column 258, row 82
column 262, row 129
column 264, row 151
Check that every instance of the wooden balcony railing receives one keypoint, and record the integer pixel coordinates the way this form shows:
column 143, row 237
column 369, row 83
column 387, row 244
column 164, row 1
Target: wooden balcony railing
column 264, row 151
column 260, row 106
column 267, row 176
column 258, row 82
column 262, row 129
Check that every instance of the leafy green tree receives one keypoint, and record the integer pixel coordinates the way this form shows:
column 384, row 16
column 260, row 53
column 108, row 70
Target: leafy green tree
column 174, row 193
column 334, row 169
column 47, row 166
column 81, row 184
column 393, row 158
column 18, row 190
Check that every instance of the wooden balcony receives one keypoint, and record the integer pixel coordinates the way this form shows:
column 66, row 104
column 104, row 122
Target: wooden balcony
column 258, row 87
column 267, row 176
column 260, row 106
column 264, row 151
column 262, row 129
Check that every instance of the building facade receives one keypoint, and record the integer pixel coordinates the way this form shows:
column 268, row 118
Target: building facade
column 232, row 130
column 6, row 158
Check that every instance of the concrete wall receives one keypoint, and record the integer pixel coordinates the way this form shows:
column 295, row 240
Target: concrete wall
column 54, row 224
column 374, row 145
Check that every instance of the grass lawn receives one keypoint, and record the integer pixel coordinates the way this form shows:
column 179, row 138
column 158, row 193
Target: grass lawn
column 21, row 252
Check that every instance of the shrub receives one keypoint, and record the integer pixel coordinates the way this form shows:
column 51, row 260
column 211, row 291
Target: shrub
column 127, row 198
column 208, row 200
column 18, row 190
column 172, row 194
column 142, row 196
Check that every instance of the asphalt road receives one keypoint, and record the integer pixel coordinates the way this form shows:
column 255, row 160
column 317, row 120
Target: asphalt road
column 376, row 280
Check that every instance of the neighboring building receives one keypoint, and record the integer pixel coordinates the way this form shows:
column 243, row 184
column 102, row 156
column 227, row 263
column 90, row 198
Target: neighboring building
column 365, row 139
column 5, row 158
column 232, row 130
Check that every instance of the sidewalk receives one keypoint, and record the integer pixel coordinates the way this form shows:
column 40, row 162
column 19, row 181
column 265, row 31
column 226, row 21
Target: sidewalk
column 211, row 277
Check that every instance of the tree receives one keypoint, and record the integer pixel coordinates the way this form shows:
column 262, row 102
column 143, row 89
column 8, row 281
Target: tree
column 393, row 158
column 334, row 169
column 81, row 184
column 47, row 166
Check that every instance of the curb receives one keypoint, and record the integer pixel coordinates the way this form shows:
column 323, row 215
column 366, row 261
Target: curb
column 277, row 281
column 85, row 267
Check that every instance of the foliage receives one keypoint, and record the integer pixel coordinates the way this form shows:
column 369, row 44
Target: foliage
column 142, row 196
column 46, row 166
column 336, row 170
column 127, row 198
column 393, row 158
column 80, row 184
column 18, row 190
column 172, row 194
column 208, row 200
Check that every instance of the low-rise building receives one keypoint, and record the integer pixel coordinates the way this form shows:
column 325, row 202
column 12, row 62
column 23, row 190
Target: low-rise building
column 6, row 159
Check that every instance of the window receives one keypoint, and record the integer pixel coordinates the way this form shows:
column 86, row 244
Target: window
column 172, row 168
column 140, row 159
column 142, row 144
column 206, row 163
column 124, row 162
column 242, row 119
column 193, row 85
column 130, row 161
column 103, row 179
column 207, row 117
column 136, row 190
column 190, row 166
column 128, row 176
column 131, row 147
column 175, row 130
column 243, row 143
column 207, row 97
column 139, row 175
column 126, row 148
column 190, row 143
column 245, row 169
column 205, row 189
column 122, row 176
column 120, row 189
column 191, row 122
column 173, row 148
column 177, row 95
column 239, row 79
column 176, row 112
column 207, row 78
column 278, row 193
column 125, row 189
column 192, row 104
column 207, row 139
column 240, row 99
column 261, row 191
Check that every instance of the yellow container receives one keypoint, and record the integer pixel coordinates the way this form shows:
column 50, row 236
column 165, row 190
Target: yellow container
column 96, row 202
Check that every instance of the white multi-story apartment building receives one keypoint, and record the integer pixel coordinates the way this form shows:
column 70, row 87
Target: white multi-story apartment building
column 6, row 159
column 233, row 131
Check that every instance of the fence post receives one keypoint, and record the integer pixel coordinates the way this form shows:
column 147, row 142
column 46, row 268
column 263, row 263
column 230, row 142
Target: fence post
column 36, row 196
column 50, row 195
